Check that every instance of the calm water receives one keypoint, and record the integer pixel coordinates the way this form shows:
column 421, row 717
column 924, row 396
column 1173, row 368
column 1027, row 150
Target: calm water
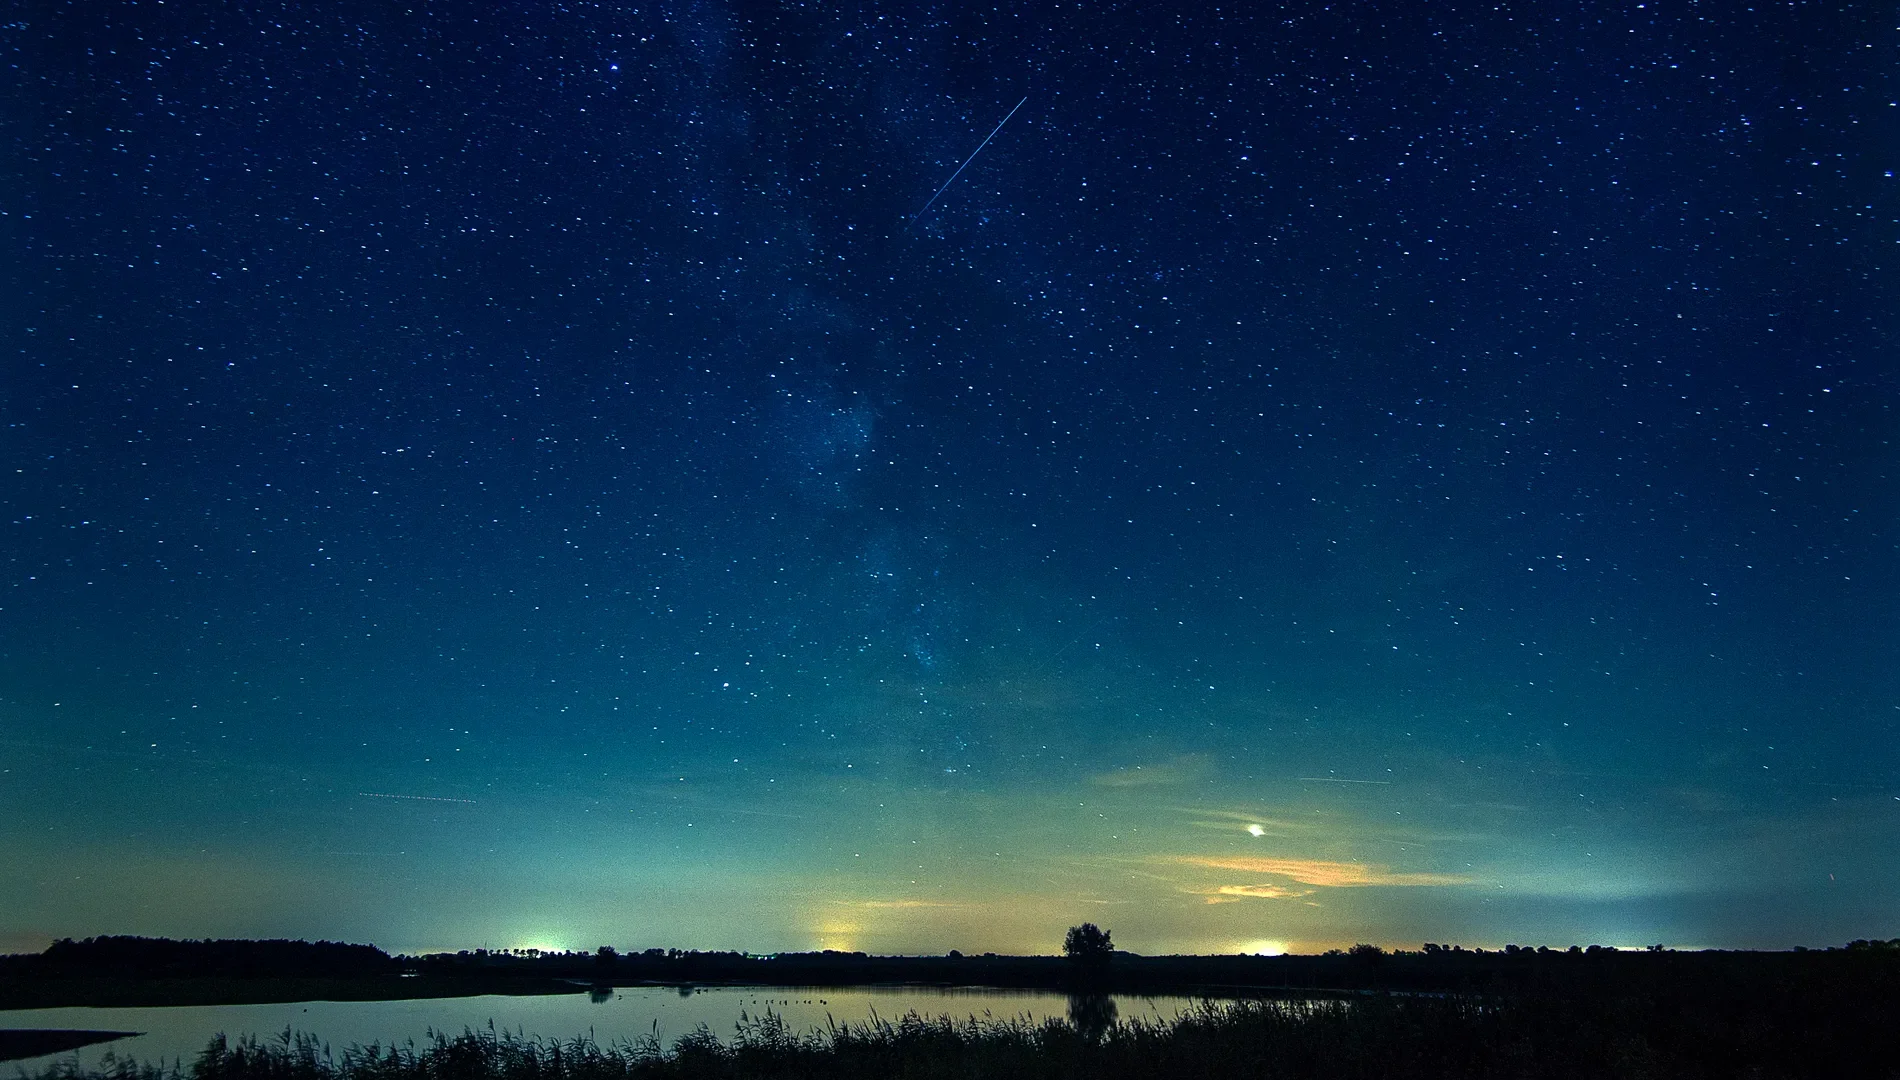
column 631, row 1013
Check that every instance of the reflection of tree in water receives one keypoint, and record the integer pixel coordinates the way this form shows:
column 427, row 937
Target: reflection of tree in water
column 600, row 994
column 1092, row 1014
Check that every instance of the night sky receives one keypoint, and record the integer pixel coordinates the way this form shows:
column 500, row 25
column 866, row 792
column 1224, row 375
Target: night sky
column 528, row 474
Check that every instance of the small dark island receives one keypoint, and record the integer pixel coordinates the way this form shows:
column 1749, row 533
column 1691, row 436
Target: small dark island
column 19, row 1043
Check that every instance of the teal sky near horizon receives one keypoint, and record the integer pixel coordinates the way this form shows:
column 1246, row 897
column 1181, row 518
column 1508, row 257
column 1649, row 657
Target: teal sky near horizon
column 529, row 475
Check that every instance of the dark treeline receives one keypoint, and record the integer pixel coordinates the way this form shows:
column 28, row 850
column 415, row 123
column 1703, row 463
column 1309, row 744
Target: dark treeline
column 1439, row 969
column 1435, row 969
column 163, row 958
column 135, row 971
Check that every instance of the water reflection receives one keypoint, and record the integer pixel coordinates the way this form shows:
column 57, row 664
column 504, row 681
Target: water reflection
column 1092, row 1015
column 630, row 1012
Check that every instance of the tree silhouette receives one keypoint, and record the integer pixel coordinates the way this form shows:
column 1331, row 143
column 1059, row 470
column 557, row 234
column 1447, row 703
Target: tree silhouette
column 1088, row 944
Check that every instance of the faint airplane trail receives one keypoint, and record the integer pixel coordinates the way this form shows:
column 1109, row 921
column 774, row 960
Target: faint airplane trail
column 966, row 161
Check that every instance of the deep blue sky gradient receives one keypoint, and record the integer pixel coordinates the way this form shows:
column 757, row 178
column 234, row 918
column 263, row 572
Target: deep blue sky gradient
column 520, row 474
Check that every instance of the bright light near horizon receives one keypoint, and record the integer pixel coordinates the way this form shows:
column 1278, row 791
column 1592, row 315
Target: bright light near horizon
column 1264, row 948
column 539, row 944
column 1255, row 830
column 839, row 934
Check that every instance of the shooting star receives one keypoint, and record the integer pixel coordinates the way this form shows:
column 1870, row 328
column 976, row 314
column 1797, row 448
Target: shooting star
column 966, row 161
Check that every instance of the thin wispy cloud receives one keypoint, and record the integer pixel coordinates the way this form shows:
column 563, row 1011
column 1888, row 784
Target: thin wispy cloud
column 1255, row 823
column 899, row 905
column 1323, row 873
column 1227, row 894
column 1179, row 770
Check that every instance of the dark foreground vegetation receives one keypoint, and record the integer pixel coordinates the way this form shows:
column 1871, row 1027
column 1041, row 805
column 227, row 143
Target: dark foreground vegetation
column 1441, row 1012
column 1388, row 1037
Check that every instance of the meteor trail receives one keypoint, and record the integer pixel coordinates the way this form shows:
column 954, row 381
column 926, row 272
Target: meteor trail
column 966, row 161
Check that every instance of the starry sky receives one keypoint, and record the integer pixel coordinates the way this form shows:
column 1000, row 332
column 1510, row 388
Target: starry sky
column 528, row 474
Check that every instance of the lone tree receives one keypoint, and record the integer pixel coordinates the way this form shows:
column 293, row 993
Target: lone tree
column 1088, row 944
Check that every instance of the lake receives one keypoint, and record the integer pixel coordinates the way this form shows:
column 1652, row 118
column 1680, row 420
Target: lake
column 175, row 1033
